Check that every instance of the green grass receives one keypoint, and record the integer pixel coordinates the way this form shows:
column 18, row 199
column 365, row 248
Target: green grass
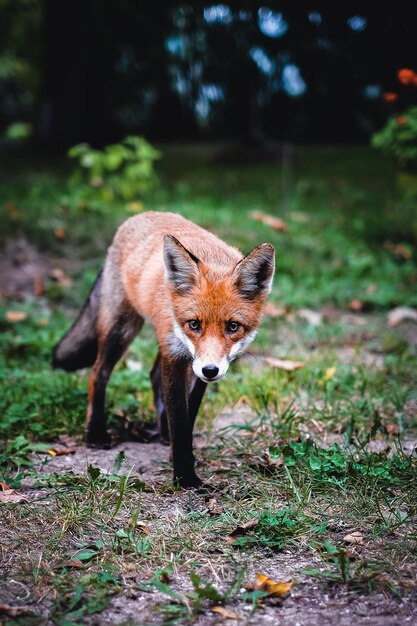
column 325, row 452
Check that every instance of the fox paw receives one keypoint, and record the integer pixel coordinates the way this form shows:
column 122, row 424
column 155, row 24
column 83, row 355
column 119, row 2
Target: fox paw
column 101, row 440
column 192, row 481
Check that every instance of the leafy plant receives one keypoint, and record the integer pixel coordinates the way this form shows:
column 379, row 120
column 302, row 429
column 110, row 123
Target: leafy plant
column 398, row 138
column 122, row 170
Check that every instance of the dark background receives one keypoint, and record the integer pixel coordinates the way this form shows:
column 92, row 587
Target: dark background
column 97, row 70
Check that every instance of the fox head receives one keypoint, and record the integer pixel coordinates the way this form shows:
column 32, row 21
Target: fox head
column 216, row 313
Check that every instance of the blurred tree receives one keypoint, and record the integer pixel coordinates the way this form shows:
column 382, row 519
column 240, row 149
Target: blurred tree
column 95, row 70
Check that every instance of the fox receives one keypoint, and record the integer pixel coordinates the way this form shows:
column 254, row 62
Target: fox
column 205, row 302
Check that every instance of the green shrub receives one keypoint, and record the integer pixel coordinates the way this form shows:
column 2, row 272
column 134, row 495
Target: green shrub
column 398, row 139
column 123, row 170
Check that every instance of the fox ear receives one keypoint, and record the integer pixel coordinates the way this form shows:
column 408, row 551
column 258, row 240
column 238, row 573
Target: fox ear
column 254, row 273
column 181, row 266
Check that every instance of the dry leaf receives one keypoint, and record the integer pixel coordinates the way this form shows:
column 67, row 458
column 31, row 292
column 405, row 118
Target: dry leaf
column 283, row 364
column 60, row 277
column 226, row 613
column 60, row 451
column 401, row 314
column 279, row 588
column 60, row 233
column 314, row 318
column 16, row 316
column 11, row 497
column 38, row 286
column 240, row 531
column 72, row 563
column 143, row 527
column 4, row 486
column 272, row 310
column 392, row 428
column 356, row 305
column 356, row 537
column 14, row 611
column 213, row 507
column 274, row 222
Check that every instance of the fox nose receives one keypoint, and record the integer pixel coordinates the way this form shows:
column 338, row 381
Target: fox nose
column 210, row 371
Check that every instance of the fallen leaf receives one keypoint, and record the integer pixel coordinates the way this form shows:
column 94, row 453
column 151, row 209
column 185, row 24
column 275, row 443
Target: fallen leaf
column 328, row 375
column 60, row 451
column 356, row 538
column 272, row 310
column 60, row 233
column 392, row 428
column 314, row 318
column 11, row 497
column 240, row 531
column 14, row 611
column 213, row 507
column 279, row 588
column 402, row 250
column 283, row 364
column 401, row 314
column 144, row 528
column 270, row 220
column 356, row 305
column 4, row 486
column 226, row 613
column 16, row 316
column 38, row 286
column 60, row 277
column 72, row 563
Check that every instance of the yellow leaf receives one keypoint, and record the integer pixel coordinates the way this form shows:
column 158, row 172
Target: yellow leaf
column 279, row 588
column 226, row 613
column 329, row 373
column 52, row 452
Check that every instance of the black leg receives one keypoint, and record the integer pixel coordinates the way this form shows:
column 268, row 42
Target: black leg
column 174, row 382
column 195, row 398
column 111, row 348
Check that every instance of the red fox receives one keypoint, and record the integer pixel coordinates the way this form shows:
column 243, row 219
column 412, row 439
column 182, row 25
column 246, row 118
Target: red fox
column 205, row 302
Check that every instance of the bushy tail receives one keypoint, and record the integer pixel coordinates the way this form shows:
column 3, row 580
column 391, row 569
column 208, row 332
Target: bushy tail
column 78, row 347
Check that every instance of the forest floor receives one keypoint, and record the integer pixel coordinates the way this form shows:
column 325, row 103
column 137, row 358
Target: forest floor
column 307, row 448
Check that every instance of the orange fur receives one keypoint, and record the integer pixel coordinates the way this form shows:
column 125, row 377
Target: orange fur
column 205, row 302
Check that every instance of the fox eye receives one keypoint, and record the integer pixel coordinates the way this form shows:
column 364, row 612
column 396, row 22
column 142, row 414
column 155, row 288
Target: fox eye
column 232, row 327
column 194, row 325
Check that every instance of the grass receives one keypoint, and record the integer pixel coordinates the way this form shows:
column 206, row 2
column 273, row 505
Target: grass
column 324, row 454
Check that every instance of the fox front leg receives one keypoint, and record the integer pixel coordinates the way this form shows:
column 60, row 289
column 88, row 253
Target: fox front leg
column 174, row 375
